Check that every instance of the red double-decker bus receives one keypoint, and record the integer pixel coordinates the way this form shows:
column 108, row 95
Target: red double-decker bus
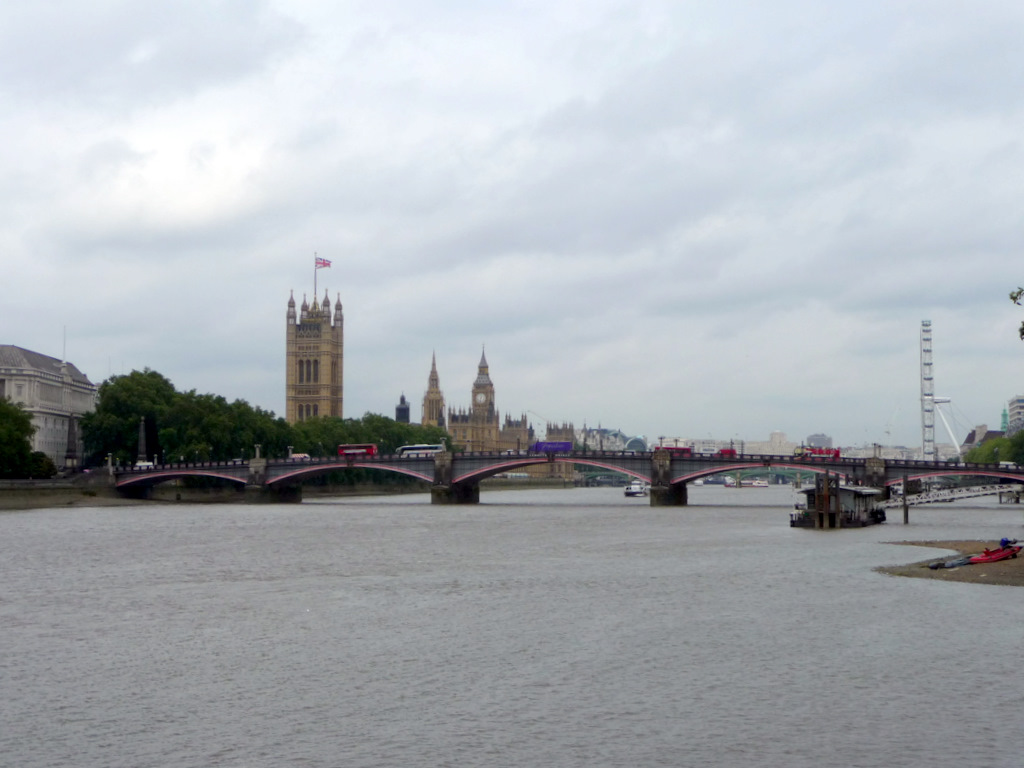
column 358, row 449
column 675, row 450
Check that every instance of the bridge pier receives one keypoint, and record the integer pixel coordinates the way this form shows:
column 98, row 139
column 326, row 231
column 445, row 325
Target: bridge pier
column 462, row 493
column 669, row 495
column 665, row 493
column 272, row 494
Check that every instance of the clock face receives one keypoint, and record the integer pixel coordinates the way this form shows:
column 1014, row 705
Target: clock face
column 481, row 398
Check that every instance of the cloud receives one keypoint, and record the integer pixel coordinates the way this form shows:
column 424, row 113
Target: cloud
column 671, row 219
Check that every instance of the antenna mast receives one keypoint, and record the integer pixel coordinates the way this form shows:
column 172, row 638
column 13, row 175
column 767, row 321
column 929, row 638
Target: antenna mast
column 927, row 394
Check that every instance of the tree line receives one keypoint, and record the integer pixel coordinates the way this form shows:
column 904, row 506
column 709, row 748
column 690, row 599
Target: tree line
column 189, row 426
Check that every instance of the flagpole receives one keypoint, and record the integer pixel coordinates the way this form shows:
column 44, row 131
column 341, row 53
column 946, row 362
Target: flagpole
column 314, row 275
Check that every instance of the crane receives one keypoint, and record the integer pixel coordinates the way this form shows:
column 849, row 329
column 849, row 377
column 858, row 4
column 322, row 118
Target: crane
column 888, row 424
column 546, row 422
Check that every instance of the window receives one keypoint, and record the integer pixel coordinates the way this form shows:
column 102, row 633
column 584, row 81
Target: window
column 302, row 379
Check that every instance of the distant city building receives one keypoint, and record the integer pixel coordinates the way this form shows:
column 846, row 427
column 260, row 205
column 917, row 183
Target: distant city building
column 776, row 445
column 55, row 393
column 1015, row 415
column 636, row 443
column 402, row 411
column 600, row 439
column 819, row 441
column 315, row 351
column 979, row 435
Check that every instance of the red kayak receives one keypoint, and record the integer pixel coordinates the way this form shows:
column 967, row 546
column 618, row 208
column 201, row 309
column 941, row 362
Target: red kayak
column 995, row 555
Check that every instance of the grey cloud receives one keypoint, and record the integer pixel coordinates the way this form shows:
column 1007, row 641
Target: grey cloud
column 121, row 55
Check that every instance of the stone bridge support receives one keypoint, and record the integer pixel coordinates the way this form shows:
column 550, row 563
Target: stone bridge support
column 444, row 491
column 670, row 496
column 455, row 494
column 663, row 492
column 273, row 494
column 257, row 472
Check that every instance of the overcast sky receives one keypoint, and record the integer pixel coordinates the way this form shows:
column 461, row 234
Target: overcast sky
column 672, row 218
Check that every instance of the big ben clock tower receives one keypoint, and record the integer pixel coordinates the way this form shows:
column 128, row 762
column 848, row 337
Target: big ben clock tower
column 483, row 390
column 483, row 417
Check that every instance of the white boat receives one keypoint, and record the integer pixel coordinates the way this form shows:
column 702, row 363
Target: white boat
column 636, row 488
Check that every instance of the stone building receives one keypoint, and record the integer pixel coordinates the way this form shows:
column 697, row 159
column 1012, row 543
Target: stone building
column 476, row 429
column 402, row 411
column 315, row 351
column 480, row 427
column 516, row 434
column 55, row 393
column 433, row 400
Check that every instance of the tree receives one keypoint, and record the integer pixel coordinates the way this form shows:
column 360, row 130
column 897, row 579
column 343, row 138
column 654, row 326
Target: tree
column 113, row 428
column 1017, row 297
column 41, row 466
column 15, row 440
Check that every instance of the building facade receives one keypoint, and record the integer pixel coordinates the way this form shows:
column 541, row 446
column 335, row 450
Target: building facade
column 402, row 410
column 433, row 399
column 1015, row 415
column 476, row 429
column 480, row 427
column 315, row 354
column 55, row 393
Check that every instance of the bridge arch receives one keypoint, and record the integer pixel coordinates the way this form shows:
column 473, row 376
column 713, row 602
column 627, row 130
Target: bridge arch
column 308, row 471
column 149, row 479
column 482, row 473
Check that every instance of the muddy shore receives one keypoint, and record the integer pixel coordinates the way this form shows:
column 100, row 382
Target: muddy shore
column 1008, row 573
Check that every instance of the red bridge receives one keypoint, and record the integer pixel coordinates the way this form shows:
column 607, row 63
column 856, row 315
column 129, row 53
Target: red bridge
column 454, row 478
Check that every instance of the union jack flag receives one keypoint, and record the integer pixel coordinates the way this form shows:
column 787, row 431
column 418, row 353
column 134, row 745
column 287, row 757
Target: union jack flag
column 321, row 263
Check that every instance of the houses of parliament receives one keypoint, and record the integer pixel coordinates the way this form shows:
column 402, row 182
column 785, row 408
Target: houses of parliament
column 315, row 351
column 480, row 427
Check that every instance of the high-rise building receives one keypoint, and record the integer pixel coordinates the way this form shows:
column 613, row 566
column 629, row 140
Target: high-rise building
column 1015, row 413
column 314, row 360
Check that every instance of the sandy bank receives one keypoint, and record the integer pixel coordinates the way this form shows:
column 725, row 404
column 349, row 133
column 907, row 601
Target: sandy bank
column 1007, row 572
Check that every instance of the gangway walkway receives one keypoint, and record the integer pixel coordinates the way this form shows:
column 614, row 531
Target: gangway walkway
column 951, row 494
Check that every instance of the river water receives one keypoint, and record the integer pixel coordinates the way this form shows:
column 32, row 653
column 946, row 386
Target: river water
column 538, row 628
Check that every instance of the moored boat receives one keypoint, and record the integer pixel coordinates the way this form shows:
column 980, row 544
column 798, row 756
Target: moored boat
column 636, row 488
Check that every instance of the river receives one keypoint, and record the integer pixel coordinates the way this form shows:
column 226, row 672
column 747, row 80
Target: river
column 538, row 628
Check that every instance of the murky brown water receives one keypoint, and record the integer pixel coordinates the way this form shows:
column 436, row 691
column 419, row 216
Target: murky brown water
column 540, row 628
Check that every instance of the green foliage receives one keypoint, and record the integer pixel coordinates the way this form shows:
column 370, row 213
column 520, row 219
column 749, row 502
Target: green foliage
column 998, row 449
column 990, row 452
column 114, row 426
column 322, row 436
column 179, row 425
column 1016, row 297
column 15, row 441
column 41, row 466
column 188, row 426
